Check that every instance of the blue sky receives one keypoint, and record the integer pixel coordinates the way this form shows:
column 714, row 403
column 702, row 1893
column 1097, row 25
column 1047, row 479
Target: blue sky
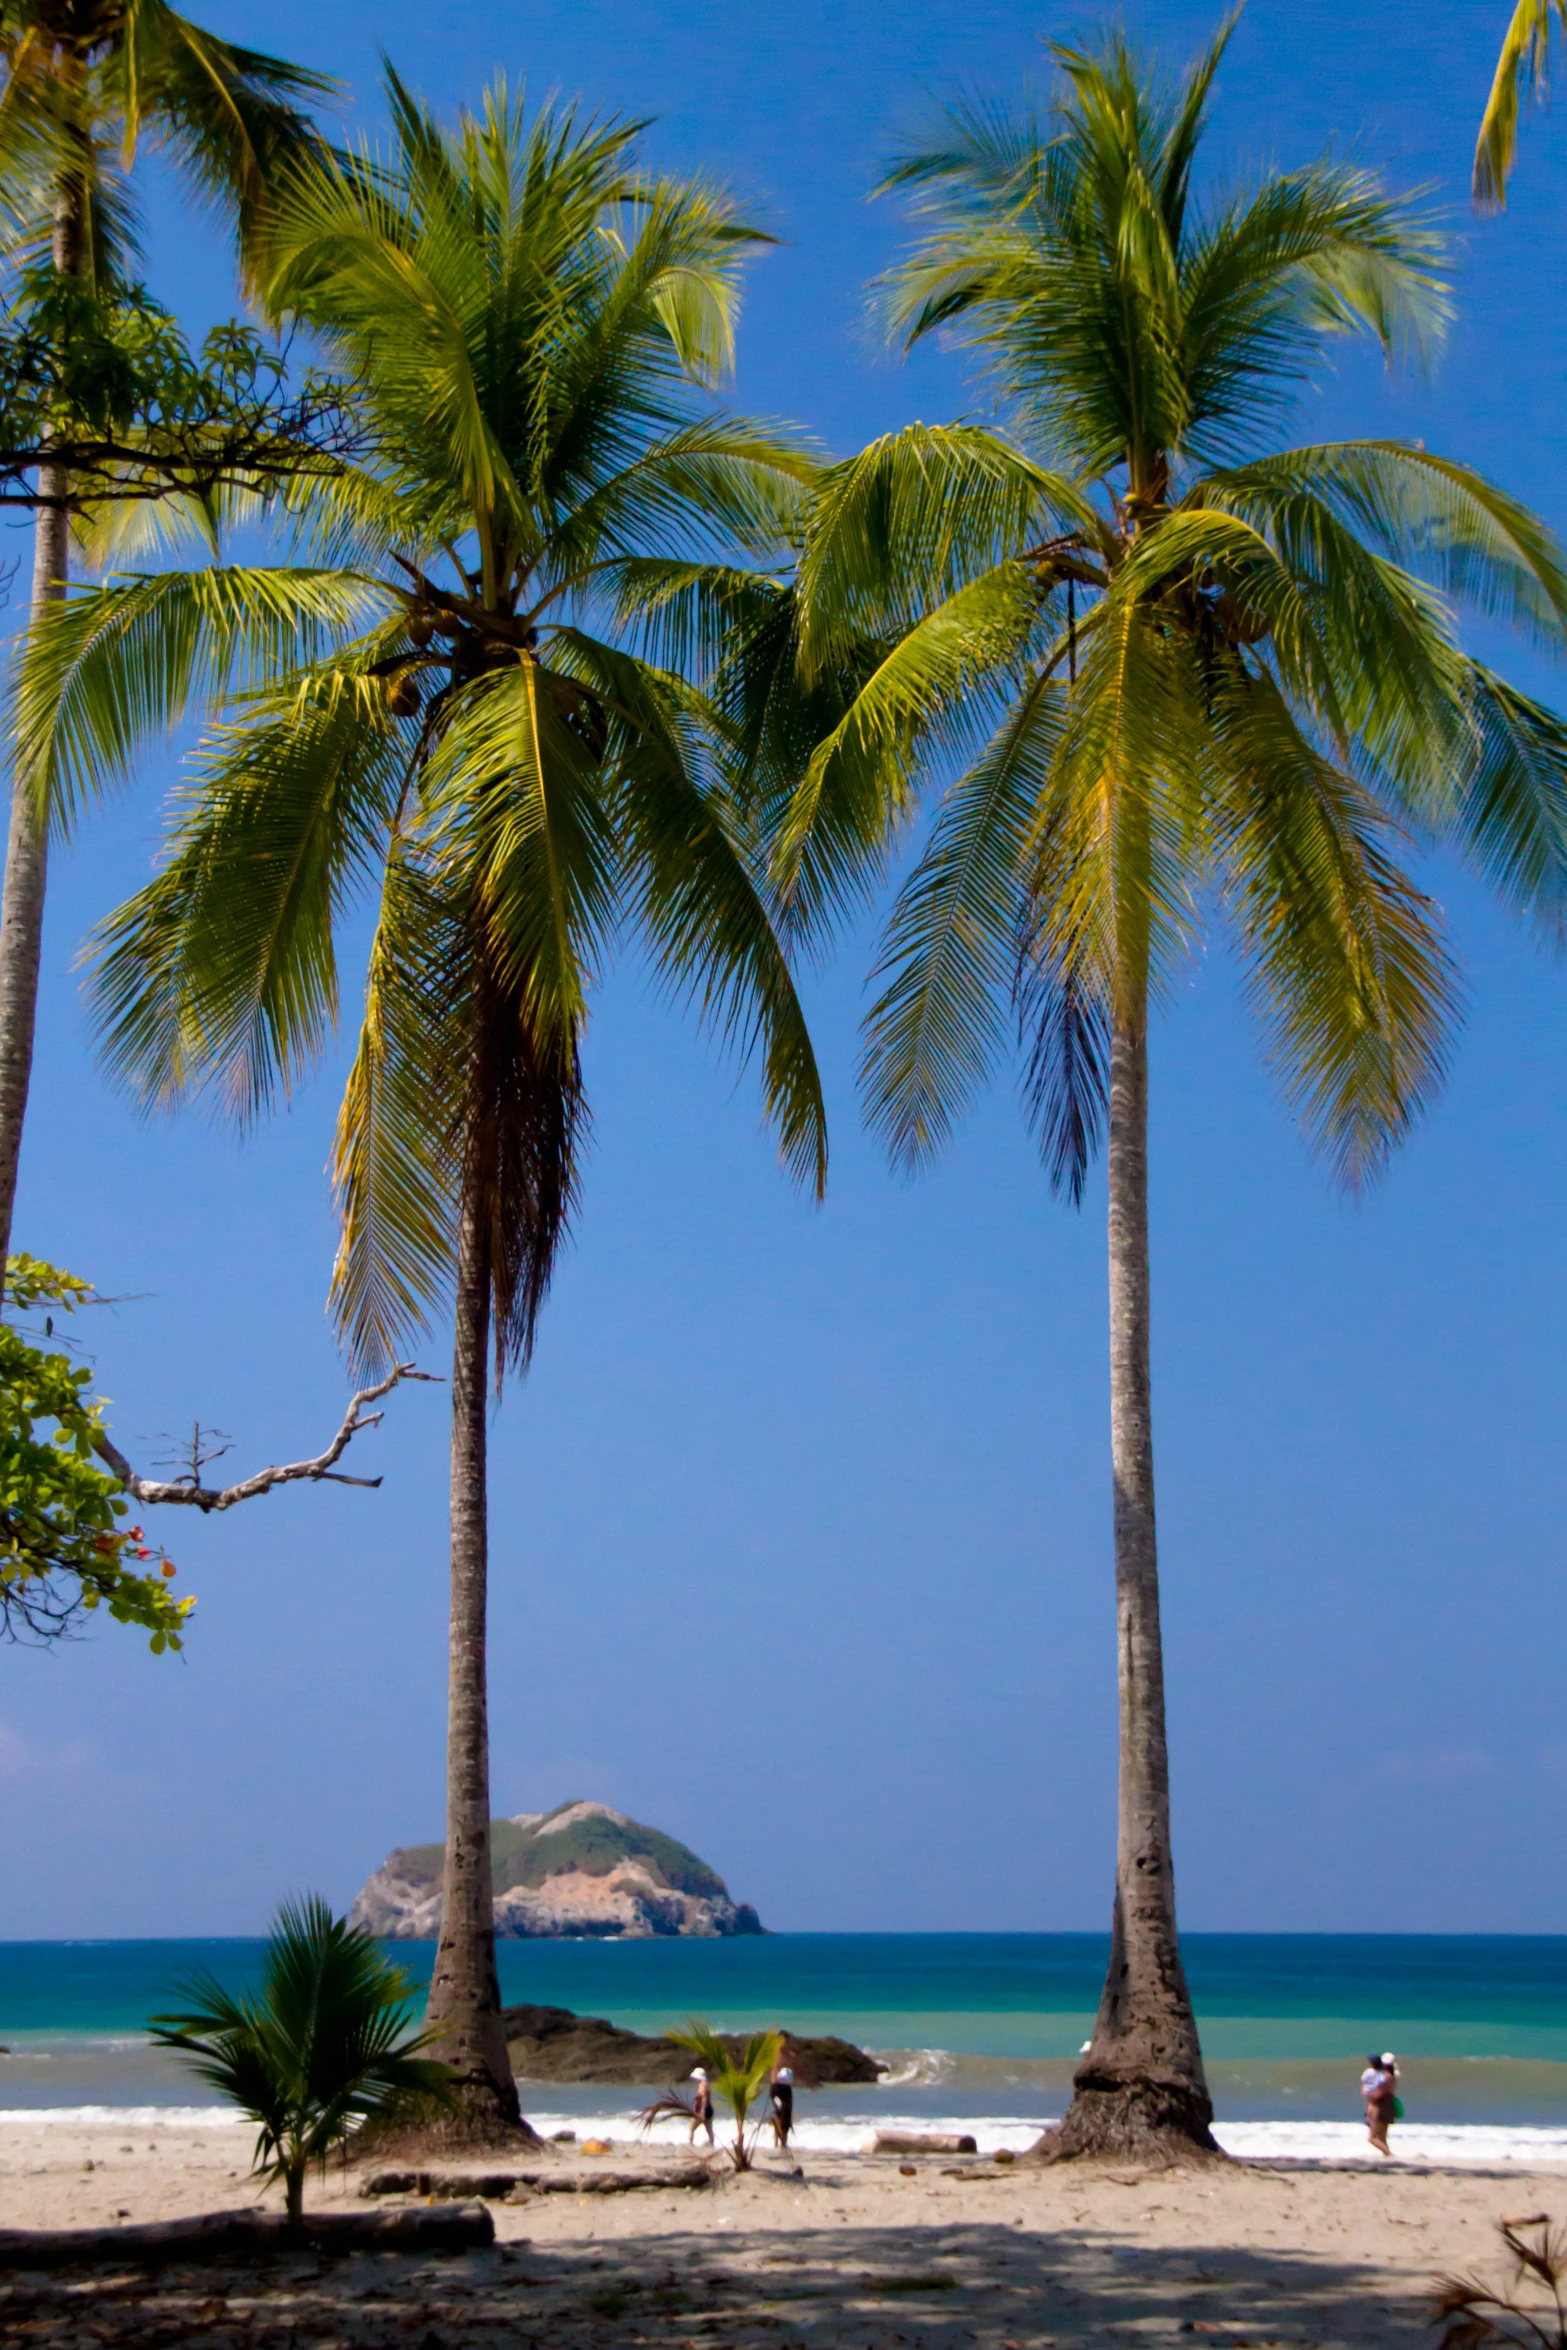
column 801, row 1522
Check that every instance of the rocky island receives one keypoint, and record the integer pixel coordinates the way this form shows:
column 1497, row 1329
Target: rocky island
column 579, row 1869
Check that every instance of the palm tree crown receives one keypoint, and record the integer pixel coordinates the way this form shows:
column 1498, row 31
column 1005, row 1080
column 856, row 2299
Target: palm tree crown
column 86, row 81
column 1214, row 679
column 1165, row 676
column 522, row 313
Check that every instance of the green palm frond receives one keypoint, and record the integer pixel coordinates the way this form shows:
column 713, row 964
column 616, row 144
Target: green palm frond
column 219, row 978
column 398, row 1153
column 1510, row 799
column 742, row 485
column 1116, row 315
column 856, row 793
column 514, row 798
column 1479, row 546
column 1521, row 72
column 925, row 510
column 1064, row 1025
column 1356, row 988
column 695, row 899
column 1117, row 859
column 686, row 615
column 111, row 668
column 233, row 120
column 949, row 955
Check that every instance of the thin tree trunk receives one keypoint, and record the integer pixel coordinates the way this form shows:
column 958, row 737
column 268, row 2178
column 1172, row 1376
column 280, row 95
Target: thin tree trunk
column 464, row 1991
column 27, row 842
column 1139, row 2090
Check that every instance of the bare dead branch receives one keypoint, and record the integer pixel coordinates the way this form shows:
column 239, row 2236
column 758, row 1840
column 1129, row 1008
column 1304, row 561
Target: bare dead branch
column 212, row 1497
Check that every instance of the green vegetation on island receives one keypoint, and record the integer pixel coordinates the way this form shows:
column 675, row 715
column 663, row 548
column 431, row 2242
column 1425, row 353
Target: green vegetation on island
column 582, row 1868
column 524, row 1852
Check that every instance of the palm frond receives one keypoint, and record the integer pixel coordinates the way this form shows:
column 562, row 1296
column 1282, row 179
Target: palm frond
column 512, row 790
column 219, row 977
column 1521, row 72
column 949, row 954
column 921, row 514
column 1349, row 971
column 398, row 1155
column 1510, row 795
column 702, row 911
column 927, row 692
column 112, row 669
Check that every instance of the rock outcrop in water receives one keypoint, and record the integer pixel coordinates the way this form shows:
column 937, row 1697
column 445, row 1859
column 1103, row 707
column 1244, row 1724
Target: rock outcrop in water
column 553, row 2044
column 579, row 1869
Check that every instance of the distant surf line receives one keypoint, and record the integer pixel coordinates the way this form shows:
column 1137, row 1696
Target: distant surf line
column 1455, row 2146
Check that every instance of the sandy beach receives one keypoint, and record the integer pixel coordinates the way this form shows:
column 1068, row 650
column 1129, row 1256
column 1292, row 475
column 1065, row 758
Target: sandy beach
column 847, row 2250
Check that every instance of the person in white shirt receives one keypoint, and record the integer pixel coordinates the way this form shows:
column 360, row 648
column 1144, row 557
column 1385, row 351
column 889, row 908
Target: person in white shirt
column 1379, row 2087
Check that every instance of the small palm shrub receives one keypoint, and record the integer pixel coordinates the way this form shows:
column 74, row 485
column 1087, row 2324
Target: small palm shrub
column 1478, row 2313
column 319, row 2049
column 736, row 2074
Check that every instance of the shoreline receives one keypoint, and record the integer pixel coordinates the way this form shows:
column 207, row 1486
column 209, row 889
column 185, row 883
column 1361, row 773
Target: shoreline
column 1459, row 2148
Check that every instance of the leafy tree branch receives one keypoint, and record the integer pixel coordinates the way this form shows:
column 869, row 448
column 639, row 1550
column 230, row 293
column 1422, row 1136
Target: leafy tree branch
column 64, row 1549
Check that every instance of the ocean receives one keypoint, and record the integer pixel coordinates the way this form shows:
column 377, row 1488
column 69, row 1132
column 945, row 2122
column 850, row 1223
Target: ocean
column 979, row 2031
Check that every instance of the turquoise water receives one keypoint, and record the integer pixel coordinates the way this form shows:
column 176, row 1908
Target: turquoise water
column 971, row 2023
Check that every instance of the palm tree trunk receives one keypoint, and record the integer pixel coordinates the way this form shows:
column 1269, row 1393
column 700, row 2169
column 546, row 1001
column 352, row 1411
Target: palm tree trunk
column 27, row 842
column 1140, row 2089
column 464, row 1990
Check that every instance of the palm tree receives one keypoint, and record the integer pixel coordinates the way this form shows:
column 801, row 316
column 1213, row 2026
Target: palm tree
column 1521, row 72
column 1185, row 679
column 320, row 2049
column 456, row 704
column 84, row 82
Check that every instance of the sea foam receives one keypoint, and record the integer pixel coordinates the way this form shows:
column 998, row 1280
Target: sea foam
column 1461, row 2146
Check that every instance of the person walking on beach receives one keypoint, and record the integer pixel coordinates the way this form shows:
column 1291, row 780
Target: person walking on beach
column 783, row 2093
column 701, row 2108
column 1379, row 2087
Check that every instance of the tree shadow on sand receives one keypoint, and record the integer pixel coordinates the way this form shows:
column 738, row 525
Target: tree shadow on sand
column 793, row 2285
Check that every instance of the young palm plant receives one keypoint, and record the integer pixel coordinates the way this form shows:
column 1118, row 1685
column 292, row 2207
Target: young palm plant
column 82, row 83
column 319, row 2050
column 1185, row 678
column 454, row 706
column 737, row 2074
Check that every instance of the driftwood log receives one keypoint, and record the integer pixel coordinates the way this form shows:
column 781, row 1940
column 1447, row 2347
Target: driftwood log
column 248, row 2235
column 500, row 2186
column 920, row 2142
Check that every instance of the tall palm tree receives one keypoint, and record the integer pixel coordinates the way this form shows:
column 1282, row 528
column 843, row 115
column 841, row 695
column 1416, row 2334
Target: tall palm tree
column 1521, row 72
column 82, row 83
column 1185, row 679
column 455, row 702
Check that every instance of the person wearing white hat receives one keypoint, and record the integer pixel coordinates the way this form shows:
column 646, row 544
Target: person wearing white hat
column 1379, row 2087
column 701, row 2107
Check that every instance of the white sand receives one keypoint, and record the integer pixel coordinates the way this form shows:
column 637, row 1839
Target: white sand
column 850, row 2251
